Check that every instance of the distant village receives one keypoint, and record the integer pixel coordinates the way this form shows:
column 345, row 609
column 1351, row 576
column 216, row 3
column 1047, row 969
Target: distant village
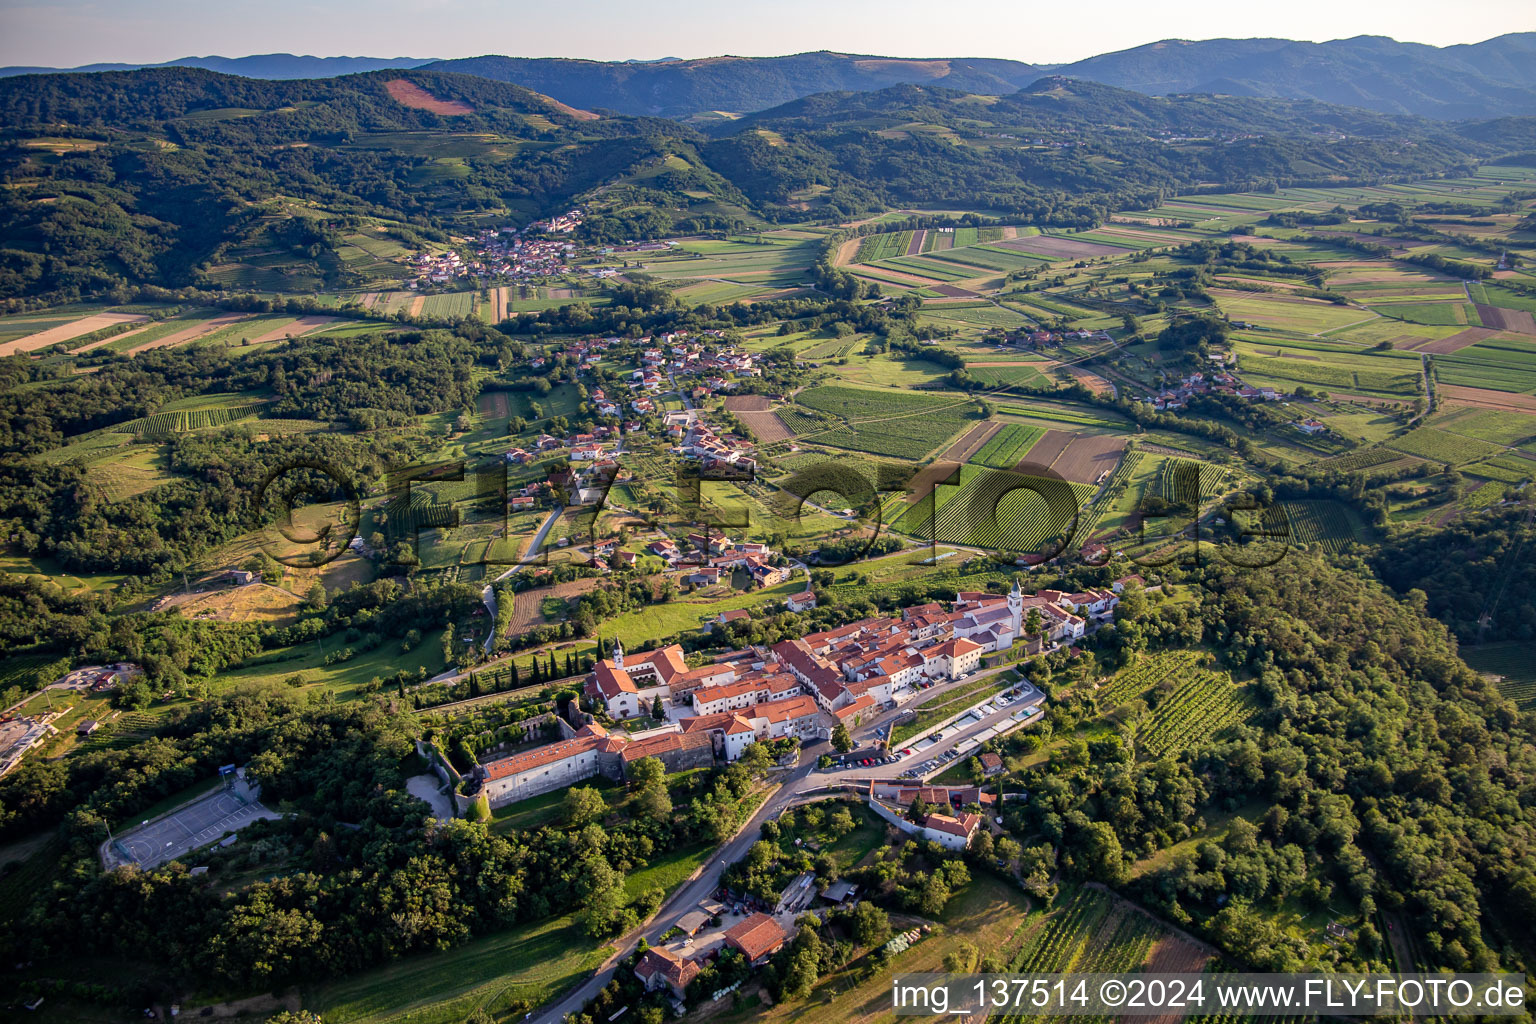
column 507, row 253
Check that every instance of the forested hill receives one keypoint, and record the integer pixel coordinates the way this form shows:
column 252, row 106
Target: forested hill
column 262, row 65
column 685, row 87
column 1065, row 151
column 1487, row 79
column 1057, row 102
column 163, row 169
column 1496, row 76
column 146, row 99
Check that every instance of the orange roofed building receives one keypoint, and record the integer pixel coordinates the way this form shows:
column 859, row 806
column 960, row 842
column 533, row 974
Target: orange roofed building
column 757, row 938
column 661, row 968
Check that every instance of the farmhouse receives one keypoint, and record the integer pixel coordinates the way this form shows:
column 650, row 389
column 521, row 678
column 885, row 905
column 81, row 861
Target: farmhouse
column 801, row 602
column 757, row 938
column 661, row 968
column 953, row 832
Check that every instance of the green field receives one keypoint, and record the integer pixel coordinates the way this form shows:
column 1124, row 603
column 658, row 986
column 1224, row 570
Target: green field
column 1006, row 448
column 499, row 973
column 1441, row 446
column 1515, row 662
column 893, row 423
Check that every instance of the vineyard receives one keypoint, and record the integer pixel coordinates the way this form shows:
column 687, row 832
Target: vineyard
column 1328, row 524
column 1008, row 446
column 1506, row 469
column 1332, row 376
column 1365, row 458
column 1442, row 446
column 1515, row 666
column 900, row 424
column 883, row 246
column 162, row 423
column 1134, row 680
column 1193, row 713
column 1093, row 933
column 996, row 511
column 1178, row 481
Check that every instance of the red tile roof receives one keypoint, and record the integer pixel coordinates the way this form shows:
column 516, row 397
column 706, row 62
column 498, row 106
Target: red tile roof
column 589, row 737
column 659, row 960
column 666, row 743
column 757, row 936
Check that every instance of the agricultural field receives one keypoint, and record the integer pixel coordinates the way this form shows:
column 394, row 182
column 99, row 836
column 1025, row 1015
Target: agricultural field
column 1442, row 446
column 1002, row 512
column 1093, row 931
column 1514, row 663
column 1346, row 373
column 1006, row 448
column 1330, row 525
column 896, row 424
column 1196, row 711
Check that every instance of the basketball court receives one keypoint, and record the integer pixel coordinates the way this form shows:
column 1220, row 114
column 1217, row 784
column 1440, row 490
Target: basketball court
column 187, row 828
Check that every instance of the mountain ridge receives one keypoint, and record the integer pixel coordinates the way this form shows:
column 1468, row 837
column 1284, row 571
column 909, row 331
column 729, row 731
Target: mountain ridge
column 1492, row 78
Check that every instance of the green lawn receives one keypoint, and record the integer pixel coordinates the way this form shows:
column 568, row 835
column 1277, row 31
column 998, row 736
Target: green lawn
column 308, row 661
column 500, row 973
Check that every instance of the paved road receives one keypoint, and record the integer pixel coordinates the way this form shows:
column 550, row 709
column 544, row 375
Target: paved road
column 533, row 548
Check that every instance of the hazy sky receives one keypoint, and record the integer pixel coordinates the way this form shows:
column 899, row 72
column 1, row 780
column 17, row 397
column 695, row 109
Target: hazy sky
column 73, row 32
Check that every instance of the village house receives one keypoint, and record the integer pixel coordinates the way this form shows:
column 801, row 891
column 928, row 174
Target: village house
column 757, row 938
column 660, row 968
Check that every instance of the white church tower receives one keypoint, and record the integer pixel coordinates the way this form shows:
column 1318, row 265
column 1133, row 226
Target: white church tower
column 618, row 654
column 1016, row 608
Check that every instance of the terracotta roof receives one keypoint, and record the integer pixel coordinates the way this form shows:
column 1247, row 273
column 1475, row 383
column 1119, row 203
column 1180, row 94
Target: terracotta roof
column 659, row 960
column 590, row 737
column 726, row 691
column 785, row 710
column 958, row 647
column 859, row 704
column 725, row 721
column 757, row 936
column 612, row 681
column 665, row 743
column 962, row 825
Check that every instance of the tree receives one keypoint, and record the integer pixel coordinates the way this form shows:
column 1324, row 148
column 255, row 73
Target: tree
column 658, row 709
column 650, row 777
column 933, row 895
column 841, row 822
column 870, row 926
column 841, row 740
column 756, row 759
column 583, row 805
column 961, row 959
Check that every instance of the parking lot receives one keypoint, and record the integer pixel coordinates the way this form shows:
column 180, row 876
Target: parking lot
column 993, row 717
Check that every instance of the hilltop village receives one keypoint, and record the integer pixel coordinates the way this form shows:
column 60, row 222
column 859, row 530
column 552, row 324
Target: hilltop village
column 797, row 690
